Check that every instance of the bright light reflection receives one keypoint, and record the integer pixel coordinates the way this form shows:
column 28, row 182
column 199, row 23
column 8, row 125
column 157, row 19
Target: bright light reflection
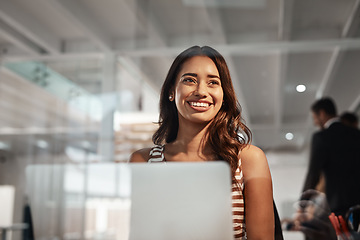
column 42, row 144
column 300, row 88
column 4, row 145
column 289, row 136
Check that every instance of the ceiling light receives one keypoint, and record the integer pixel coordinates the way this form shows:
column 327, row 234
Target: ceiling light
column 300, row 88
column 289, row 136
column 42, row 144
column 3, row 146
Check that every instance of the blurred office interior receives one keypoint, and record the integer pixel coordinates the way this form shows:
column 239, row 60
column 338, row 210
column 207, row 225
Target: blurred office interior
column 80, row 82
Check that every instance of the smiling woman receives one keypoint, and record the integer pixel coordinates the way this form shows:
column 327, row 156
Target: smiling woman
column 198, row 93
column 200, row 120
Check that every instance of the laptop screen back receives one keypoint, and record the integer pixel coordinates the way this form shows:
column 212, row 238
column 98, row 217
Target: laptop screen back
column 140, row 200
column 181, row 201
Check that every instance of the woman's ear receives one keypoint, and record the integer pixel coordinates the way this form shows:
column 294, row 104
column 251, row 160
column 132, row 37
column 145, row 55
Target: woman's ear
column 171, row 96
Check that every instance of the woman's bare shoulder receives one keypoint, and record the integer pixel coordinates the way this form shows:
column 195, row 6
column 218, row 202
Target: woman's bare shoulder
column 141, row 155
column 254, row 162
column 251, row 151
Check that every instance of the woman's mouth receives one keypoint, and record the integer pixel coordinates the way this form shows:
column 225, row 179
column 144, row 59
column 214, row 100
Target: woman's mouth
column 199, row 104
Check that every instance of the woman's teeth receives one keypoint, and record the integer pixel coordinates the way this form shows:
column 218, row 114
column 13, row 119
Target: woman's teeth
column 199, row 104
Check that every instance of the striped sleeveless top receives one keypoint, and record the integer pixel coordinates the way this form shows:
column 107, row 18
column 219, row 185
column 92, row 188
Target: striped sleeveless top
column 157, row 155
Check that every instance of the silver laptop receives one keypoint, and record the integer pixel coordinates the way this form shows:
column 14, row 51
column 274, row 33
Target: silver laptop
column 131, row 201
column 181, row 201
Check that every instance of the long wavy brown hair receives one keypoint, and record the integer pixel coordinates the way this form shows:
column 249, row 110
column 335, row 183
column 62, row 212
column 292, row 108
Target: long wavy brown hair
column 227, row 134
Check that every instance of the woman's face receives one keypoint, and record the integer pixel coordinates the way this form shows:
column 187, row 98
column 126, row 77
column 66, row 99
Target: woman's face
column 198, row 92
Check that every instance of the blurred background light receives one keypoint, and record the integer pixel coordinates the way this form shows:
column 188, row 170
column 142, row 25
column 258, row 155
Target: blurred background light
column 42, row 144
column 300, row 88
column 289, row 136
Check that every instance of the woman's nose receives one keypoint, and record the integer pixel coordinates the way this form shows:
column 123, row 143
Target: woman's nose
column 201, row 90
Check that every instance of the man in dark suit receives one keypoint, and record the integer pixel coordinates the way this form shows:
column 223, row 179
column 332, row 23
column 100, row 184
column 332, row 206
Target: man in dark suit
column 350, row 119
column 335, row 153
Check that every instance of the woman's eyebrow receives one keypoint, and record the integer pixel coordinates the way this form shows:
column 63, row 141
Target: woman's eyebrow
column 189, row 74
column 195, row 75
column 213, row 76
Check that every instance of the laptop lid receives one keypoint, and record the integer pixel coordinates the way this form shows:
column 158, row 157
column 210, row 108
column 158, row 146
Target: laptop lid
column 145, row 201
column 189, row 200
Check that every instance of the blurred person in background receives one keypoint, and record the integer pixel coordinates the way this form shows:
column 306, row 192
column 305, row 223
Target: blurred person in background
column 335, row 156
column 350, row 119
column 335, row 153
column 313, row 217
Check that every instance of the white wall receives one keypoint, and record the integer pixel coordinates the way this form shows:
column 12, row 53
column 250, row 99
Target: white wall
column 288, row 173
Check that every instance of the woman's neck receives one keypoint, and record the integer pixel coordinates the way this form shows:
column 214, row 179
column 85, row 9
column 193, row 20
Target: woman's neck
column 190, row 144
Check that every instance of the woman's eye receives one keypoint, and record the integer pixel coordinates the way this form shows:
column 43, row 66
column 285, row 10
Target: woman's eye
column 214, row 82
column 189, row 80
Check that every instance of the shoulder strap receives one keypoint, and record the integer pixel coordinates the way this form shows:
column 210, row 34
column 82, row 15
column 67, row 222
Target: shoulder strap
column 278, row 229
column 156, row 154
